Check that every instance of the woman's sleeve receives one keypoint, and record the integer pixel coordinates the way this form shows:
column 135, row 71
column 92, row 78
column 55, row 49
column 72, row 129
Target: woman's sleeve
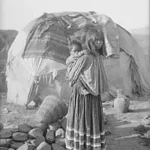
column 80, row 65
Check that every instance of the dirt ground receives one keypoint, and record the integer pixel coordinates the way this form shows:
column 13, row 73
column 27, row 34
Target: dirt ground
column 120, row 126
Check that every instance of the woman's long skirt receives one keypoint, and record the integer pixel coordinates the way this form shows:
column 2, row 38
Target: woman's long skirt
column 85, row 129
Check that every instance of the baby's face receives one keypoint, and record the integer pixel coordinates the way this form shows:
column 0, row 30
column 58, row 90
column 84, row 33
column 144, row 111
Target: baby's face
column 73, row 49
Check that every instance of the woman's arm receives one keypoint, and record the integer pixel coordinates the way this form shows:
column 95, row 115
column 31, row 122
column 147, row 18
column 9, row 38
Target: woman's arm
column 78, row 68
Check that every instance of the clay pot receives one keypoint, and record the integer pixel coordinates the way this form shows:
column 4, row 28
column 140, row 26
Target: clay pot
column 121, row 103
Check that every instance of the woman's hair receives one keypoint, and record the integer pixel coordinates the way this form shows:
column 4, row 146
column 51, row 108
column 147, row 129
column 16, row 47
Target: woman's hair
column 90, row 35
column 77, row 43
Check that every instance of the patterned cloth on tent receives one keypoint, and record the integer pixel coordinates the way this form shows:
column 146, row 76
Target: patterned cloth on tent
column 51, row 33
column 49, row 36
column 48, row 39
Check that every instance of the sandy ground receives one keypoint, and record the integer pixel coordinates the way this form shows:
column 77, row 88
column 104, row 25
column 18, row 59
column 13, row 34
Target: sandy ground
column 121, row 126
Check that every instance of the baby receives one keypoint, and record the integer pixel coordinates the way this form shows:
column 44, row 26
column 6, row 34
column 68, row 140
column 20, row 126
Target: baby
column 76, row 52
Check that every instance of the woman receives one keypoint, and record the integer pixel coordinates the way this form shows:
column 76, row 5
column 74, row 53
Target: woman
column 85, row 130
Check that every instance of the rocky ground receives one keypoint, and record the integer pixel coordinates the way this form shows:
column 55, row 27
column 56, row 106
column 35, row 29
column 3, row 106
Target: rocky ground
column 121, row 133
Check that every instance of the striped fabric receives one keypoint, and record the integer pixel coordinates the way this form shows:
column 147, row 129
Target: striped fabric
column 85, row 129
column 47, row 39
column 49, row 36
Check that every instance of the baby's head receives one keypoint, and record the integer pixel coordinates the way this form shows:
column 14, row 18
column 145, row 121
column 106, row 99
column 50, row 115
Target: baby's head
column 75, row 47
column 120, row 92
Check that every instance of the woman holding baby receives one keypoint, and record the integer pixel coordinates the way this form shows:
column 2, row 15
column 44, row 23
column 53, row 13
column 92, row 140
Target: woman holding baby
column 86, row 75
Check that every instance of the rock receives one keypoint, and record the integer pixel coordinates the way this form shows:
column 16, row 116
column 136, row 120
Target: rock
column 11, row 149
column 1, row 126
column 64, row 123
column 147, row 134
column 60, row 133
column 43, row 126
column 36, row 132
column 146, row 120
column 26, row 146
column 20, row 137
column 16, row 145
column 24, row 128
column 5, row 111
column 36, row 142
column 107, row 133
column 4, row 134
column 4, row 148
column 105, row 120
column 12, row 128
column 44, row 146
column 57, row 147
column 54, row 126
column 50, row 136
column 60, row 141
column 5, row 142
column 140, row 129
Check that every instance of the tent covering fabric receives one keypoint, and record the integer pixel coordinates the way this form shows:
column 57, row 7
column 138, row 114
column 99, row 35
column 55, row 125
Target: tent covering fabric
column 36, row 59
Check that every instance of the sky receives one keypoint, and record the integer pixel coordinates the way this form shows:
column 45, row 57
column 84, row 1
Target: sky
column 130, row 14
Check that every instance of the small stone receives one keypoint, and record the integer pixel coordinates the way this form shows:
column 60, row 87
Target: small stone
column 4, row 134
column 16, row 145
column 24, row 128
column 54, row 126
column 50, row 136
column 11, row 149
column 105, row 120
column 36, row 132
column 5, row 111
column 146, row 121
column 44, row 146
column 140, row 128
column 4, row 148
column 1, row 126
column 57, row 147
column 42, row 126
column 20, row 137
column 36, row 142
column 64, row 123
column 5, row 142
column 147, row 134
column 12, row 128
column 107, row 133
column 26, row 146
column 60, row 133
column 60, row 141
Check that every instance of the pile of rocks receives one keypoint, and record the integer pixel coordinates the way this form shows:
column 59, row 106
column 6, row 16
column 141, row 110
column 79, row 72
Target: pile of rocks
column 39, row 137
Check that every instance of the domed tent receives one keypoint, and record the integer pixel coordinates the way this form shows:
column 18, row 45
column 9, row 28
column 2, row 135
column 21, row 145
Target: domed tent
column 36, row 60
